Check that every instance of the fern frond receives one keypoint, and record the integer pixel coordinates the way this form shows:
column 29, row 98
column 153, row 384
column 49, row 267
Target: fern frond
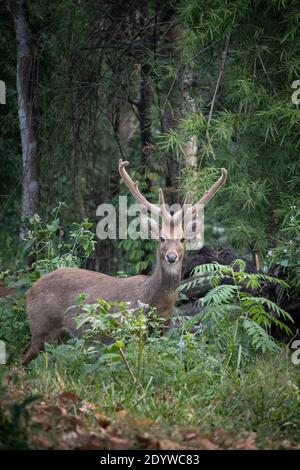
column 260, row 339
column 211, row 268
column 253, row 280
column 220, row 295
column 193, row 282
column 249, row 301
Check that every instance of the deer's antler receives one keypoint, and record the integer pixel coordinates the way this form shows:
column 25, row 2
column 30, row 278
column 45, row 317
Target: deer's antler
column 161, row 209
column 204, row 199
column 133, row 188
column 211, row 192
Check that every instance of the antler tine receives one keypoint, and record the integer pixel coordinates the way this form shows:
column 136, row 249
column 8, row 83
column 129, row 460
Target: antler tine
column 186, row 205
column 180, row 214
column 186, row 200
column 164, row 213
column 211, row 192
column 133, row 188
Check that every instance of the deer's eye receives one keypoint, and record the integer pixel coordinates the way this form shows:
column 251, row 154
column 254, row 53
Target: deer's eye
column 162, row 239
column 182, row 240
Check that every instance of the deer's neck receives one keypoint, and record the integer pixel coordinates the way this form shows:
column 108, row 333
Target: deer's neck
column 161, row 287
column 165, row 278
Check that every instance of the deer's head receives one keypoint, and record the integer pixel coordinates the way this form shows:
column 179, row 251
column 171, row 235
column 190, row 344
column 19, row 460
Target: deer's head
column 175, row 227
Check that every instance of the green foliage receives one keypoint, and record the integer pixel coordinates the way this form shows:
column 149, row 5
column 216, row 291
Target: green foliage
column 221, row 369
column 186, row 381
column 209, row 377
column 123, row 328
column 52, row 246
column 140, row 255
column 14, row 328
column 253, row 130
column 260, row 339
column 14, row 421
column 287, row 249
column 76, row 355
column 233, row 316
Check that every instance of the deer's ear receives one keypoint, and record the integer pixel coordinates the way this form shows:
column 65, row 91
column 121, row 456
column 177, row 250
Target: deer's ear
column 150, row 227
column 192, row 229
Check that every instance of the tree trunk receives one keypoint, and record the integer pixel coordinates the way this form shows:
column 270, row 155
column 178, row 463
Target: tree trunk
column 144, row 106
column 25, row 62
column 190, row 149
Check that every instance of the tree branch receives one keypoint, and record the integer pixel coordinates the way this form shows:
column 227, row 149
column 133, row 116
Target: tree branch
column 225, row 53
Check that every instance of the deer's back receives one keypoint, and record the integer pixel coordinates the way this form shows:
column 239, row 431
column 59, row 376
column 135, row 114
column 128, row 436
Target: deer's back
column 63, row 286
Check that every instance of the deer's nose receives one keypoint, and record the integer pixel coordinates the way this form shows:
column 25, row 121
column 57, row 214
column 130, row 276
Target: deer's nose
column 171, row 257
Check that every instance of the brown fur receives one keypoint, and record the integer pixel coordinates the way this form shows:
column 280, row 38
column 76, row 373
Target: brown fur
column 50, row 298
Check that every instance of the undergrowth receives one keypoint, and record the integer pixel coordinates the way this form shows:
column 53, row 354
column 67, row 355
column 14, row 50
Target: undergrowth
column 221, row 369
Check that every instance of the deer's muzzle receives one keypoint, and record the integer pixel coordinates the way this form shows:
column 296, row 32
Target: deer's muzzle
column 171, row 257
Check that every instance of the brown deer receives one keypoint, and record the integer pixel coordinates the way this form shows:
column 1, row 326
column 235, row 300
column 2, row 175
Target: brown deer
column 49, row 299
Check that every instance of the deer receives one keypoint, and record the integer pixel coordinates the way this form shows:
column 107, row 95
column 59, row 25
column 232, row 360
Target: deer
column 50, row 301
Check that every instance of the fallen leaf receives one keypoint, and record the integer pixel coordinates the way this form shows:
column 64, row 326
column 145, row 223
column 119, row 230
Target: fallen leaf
column 87, row 407
column 246, row 442
column 166, row 444
column 55, row 410
column 66, row 397
column 103, row 420
column 41, row 418
column 122, row 414
column 118, row 443
column 202, row 443
column 42, row 442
